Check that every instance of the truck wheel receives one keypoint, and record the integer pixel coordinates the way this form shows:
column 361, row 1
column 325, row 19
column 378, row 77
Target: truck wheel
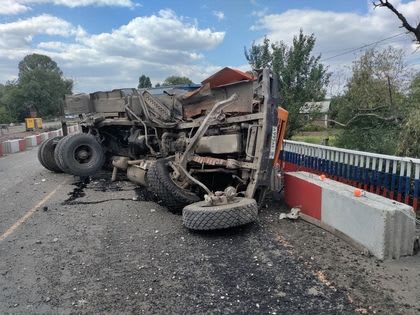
column 81, row 154
column 58, row 154
column 160, row 182
column 200, row 216
column 40, row 158
column 46, row 154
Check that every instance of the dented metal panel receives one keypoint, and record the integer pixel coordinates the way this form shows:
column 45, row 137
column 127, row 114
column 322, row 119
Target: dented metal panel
column 243, row 104
column 227, row 76
column 78, row 104
column 220, row 144
column 105, row 102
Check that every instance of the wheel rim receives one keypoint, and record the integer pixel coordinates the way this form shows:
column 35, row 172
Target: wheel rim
column 235, row 201
column 83, row 154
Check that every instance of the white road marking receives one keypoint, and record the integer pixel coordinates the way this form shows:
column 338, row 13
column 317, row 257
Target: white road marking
column 28, row 214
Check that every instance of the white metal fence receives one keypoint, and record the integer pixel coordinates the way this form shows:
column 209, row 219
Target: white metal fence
column 391, row 176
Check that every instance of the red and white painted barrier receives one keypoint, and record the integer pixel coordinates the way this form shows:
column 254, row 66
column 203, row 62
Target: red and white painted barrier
column 31, row 141
column 19, row 145
column 383, row 226
column 11, row 146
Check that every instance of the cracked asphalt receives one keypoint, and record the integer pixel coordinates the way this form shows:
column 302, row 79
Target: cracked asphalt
column 101, row 247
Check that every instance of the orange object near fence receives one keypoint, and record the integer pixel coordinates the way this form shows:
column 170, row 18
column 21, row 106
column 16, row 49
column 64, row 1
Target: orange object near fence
column 282, row 116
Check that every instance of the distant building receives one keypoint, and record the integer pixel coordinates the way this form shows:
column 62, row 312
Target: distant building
column 316, row 112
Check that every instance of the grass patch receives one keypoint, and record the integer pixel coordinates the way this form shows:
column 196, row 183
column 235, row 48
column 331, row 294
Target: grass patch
column 315, row 139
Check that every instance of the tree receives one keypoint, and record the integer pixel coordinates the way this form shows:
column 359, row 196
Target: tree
column 415, row 30
column 176, row 80
column 373, row 107
column 40, row 84
column 301, row 76
column 259, row 56
column 144, row 82
column 409, row 139
column 11, row 99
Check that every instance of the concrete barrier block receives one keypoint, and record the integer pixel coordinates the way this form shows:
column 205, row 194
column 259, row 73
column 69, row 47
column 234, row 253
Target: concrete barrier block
column 59, row 132
column 6, row 147
column 31, row 141
column 12, row 146
column 73, row 129
column 22, row 145
column 38, row 139
column 383, row 226
column 302, row 193
column 44, row 136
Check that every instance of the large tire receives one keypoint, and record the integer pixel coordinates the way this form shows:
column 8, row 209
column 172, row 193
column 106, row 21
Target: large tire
column 58, row 154
column 46, row 153
column 40, row 157
column 199, row 216
column 81, row 155
column 172, row 196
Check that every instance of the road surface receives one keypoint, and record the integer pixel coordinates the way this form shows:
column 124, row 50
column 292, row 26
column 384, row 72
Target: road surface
column 71, row 246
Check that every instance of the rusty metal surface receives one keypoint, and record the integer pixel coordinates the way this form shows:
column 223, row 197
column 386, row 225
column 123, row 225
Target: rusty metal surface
column 137, row 174
column 229, row 163
column 156, row 108
column 227, row 76
column 212, row 116
column 243, row 104
column 207, row 160
column 78, row 104
column 192, row 96
column 105, row 102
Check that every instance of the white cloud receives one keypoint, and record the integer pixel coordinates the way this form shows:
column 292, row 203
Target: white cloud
column 219, row 15
column 18, row 35
column 83, row 3
column 12, row 7
column 337, row 31
column 21, row 6
column 158, row 46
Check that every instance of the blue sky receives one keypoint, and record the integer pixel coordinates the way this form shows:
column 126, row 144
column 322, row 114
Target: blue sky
column 105, row 44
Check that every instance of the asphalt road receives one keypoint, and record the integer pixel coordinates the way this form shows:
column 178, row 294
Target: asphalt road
column 101, row 247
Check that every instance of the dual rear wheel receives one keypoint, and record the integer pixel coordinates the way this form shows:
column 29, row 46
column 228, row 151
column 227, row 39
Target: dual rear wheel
column 78, row 154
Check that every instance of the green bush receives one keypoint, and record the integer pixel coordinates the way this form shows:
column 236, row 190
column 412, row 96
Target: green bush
column 312, row 127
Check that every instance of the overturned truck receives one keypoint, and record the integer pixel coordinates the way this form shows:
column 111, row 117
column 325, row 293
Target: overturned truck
column 205, row 150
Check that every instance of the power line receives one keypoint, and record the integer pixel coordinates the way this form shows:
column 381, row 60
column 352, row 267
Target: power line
column 350, row 50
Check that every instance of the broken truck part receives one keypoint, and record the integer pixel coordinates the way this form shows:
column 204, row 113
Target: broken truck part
column 205, row 150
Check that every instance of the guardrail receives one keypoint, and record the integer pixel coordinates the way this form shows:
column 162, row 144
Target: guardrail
column 393, row 177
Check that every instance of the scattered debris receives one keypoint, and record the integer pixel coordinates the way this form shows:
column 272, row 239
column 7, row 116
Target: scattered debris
column 293, row 214
column 361, row 310
column 313, row 291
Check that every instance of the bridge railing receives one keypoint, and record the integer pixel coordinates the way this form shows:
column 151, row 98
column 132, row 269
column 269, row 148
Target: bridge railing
column 393, row 177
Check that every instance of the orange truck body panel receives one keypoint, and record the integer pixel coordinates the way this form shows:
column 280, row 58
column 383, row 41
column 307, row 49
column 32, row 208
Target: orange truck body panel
column 282, row 116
